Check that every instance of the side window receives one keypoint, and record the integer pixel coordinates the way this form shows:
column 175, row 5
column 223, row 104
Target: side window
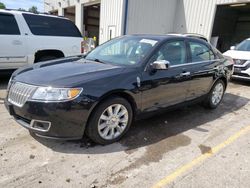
column 200, row 52
column 51, row 26
column 8, row 25
column 174, row 52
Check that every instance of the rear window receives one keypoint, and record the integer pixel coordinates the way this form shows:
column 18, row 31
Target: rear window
column 50, row 26
column 8, row 25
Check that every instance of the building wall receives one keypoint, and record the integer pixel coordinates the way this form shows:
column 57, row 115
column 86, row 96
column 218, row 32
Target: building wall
column 112, row 18
column 151, row 16
column 148, row 16
column 197, row 16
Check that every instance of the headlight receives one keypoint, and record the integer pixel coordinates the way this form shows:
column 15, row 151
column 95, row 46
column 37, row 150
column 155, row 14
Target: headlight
column 50, row 94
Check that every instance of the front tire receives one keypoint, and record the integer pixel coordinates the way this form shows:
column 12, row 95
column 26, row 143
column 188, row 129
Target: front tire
column 110, row 121
column 215, row 95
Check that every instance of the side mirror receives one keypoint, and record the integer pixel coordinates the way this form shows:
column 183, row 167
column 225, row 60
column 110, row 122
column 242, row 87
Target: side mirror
column 232, row 48
column 160, row 65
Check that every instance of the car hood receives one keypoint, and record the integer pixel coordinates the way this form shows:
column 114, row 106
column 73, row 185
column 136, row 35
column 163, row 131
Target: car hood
column 235, row 54
column 69, row 72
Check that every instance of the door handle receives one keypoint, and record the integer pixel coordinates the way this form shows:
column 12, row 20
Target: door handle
column 17, row 42
column 185, row 74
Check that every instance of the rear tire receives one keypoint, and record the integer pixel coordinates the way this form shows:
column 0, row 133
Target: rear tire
column 110, row 121
column 215, row 95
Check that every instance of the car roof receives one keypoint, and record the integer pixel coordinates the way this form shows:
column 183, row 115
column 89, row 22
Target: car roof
column 167, row 36
column 192, row 35
column 151, row 36
column 19, row 12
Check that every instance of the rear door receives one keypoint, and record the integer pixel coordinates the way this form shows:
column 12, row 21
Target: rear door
column 164, row 88
column 202, row 68
column 13, row 45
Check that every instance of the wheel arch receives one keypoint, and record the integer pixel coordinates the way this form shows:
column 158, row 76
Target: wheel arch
column 48, row 52
column 224, row 79
column 116, row 93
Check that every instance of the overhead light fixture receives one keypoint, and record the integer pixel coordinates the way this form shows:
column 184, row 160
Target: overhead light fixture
column 238, row 5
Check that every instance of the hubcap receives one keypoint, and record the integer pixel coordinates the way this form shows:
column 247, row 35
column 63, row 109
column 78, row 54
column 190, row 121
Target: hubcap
column 113, row 121
column 217, row 94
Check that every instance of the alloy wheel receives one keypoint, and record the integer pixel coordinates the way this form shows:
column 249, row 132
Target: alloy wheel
column 217, row 93
column 113, row 121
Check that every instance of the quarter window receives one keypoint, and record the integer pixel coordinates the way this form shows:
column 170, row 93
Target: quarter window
column 200, row 52
column 8, row 25
column 174, row 52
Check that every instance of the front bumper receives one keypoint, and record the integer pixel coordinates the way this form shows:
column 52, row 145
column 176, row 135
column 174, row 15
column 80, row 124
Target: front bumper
column 66, row 120
column 242, row 71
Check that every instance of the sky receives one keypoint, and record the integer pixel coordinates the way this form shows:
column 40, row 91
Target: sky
column 25, row 4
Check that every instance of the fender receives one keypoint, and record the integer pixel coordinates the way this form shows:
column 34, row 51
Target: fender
column 133, row 99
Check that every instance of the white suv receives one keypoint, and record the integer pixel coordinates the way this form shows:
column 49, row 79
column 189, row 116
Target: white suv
column 27, row 38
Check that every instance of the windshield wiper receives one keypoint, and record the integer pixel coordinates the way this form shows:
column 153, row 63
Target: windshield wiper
column 97, row 60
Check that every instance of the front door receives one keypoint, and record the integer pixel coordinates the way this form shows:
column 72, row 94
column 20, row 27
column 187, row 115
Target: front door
column 163, row 88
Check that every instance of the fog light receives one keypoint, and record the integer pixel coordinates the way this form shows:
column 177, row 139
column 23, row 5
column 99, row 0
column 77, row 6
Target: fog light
column 39, row 125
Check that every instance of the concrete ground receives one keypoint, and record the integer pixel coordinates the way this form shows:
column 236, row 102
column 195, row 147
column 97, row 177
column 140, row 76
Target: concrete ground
column 153, row 150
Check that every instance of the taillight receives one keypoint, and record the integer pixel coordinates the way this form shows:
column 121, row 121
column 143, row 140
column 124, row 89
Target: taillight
column 82, row 47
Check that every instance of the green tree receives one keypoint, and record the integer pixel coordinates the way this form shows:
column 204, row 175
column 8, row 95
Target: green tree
column 33, row 9
column 2, row 6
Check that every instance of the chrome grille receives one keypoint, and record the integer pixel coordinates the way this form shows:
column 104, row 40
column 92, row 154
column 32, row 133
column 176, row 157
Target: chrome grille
column 19, row 93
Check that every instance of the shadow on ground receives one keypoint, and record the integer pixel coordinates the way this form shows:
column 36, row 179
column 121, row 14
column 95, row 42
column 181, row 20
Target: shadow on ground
column 4, row 79
column 165, row 130
column 4, row 82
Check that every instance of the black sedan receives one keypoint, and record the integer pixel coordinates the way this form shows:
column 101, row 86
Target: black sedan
column 101, row 93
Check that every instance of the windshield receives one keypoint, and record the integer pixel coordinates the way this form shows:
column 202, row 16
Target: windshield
column 123, row 51
column 243, row 46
